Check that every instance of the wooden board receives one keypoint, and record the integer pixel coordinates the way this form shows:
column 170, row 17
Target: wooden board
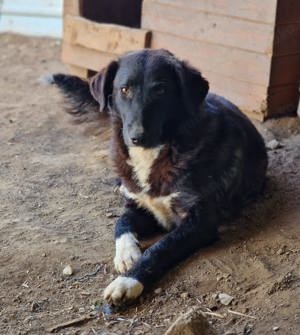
column 254, row 10
column 72, row 7
column 285, row 70
column 231, row 62
column 288, row 11
column 84, row 57
column 108, row 38
column 287, row 39
column 78, row 71
column 282, row 100
column 208, row 27
column 250, row 98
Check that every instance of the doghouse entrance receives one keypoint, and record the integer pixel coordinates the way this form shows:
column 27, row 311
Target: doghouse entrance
column 125, row 13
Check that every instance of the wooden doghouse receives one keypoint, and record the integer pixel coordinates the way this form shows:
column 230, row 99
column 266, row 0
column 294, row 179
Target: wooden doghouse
column 248, row 50
column 95, row 32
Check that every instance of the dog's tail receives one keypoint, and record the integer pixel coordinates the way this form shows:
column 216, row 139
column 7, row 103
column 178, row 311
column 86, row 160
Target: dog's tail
column 80, row 101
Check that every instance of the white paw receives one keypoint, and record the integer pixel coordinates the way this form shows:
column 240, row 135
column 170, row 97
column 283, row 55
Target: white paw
column 127, row 252
column 123, row 289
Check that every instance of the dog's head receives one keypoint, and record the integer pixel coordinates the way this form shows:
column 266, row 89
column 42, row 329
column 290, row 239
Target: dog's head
column 152, row 92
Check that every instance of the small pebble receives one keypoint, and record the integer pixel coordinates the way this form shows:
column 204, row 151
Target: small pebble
column 68, row 271
column 158, row 290
column 81, row 310
column 275, row 329
column 225, row 299
column 184, row 295
column 282, row 250
column 272, row 145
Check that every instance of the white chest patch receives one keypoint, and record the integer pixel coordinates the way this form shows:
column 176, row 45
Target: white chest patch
column 160, row 207
column 141, row 160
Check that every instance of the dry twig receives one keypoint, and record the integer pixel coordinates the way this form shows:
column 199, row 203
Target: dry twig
column 217, row 315
column 240, row 314
column 74, row 322
column 87, row 275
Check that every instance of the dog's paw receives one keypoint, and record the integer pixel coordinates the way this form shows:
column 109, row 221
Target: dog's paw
column 123, row 289
column 127, row 252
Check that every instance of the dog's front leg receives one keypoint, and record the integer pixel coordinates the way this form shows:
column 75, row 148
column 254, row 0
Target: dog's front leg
column 133, row 224
column 160, row 257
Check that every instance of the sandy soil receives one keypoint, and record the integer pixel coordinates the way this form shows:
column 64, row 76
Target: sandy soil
column 57, row 207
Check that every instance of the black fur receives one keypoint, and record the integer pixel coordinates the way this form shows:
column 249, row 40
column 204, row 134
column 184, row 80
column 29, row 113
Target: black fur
column 212, row 155
column 78, row 94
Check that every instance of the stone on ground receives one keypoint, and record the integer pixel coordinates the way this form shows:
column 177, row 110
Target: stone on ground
column 193, row 322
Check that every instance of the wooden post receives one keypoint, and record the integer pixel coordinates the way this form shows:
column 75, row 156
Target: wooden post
column 298, row 109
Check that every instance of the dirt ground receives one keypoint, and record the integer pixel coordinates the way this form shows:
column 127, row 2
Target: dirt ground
column 57, row 208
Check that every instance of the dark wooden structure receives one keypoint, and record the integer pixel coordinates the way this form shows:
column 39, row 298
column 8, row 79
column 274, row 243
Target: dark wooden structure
column 248, row 50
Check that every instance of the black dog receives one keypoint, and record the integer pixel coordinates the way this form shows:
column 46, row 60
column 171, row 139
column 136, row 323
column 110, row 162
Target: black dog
column 187, row 160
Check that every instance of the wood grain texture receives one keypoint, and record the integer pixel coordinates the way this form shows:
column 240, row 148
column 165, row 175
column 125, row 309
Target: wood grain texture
column 254, row 10
column 207, row 27
column 109, row 38
column 231, row 62
column 84, row 57
column 250, row 98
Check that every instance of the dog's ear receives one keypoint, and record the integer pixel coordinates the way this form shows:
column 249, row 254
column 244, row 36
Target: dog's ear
column 194, row 86
column 101, row 85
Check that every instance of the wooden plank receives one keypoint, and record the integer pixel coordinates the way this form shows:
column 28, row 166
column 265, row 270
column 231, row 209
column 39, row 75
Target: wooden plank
column 231, row 62
column 211, row 28
column 72, row 7
column 282, row 100
column 288, row 11
column 250, row 98
column 255, row 10
column 285, row 70
column 298, row 109
column 85, row 58
column 287, row 39
column 104, row 37
column 78, row 71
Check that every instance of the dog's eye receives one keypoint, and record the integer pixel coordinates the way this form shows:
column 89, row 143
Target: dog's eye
column 125, row 90
column 159, row 89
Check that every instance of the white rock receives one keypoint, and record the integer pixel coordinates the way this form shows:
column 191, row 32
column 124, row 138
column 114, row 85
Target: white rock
column 275, row 329
column 274, row 144
column 158, row 290
column 225, row 299
column 194, row 322
column 68, row 271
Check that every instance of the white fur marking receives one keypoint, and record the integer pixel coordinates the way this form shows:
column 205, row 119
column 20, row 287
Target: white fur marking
column 123, row 289
column 127, row 252
column 141, row 160
column 160, row 207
